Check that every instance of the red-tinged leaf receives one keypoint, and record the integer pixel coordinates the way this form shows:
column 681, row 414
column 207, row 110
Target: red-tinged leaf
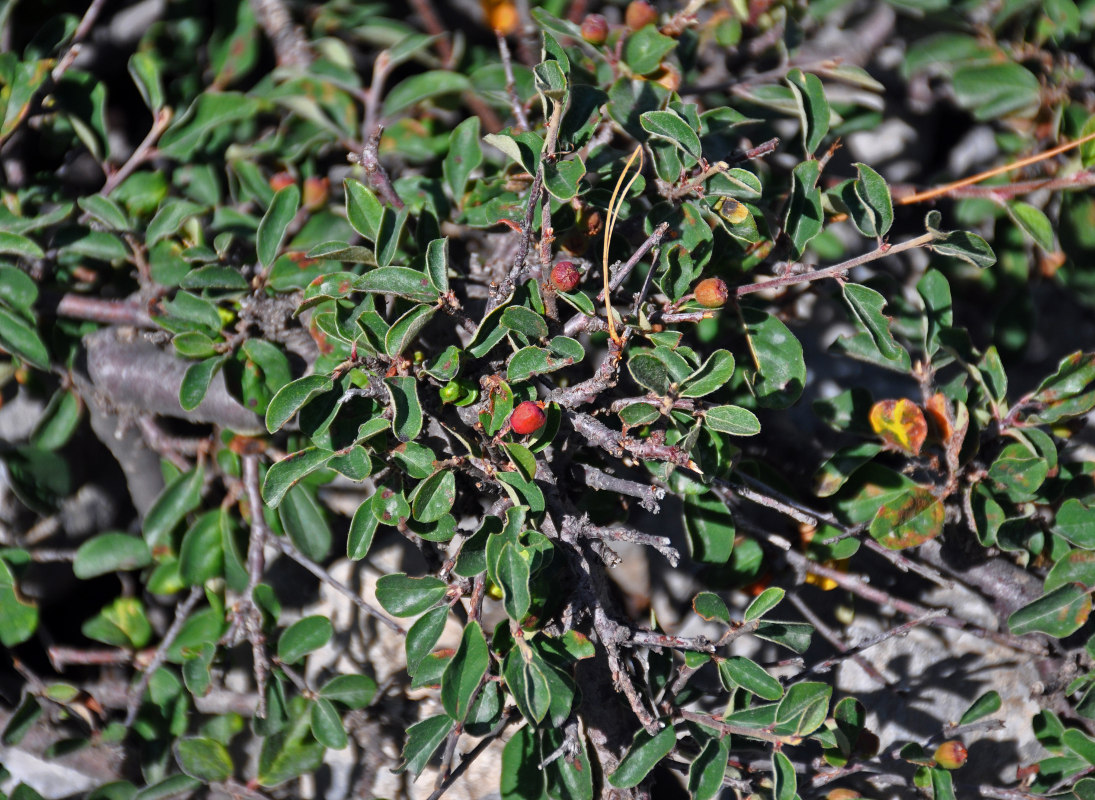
column 909, row 520
column 900, row 423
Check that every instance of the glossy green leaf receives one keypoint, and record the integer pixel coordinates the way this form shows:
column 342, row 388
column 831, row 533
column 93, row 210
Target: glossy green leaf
column 866, row 305
column 179, row 498
column 304, row 521
column 997, row 90
column 743, row 672
column 805, row 217
column 105, row 211
column 670, row 126
column 1076, row 522
column 403, row 596
column 563, row 178
column 144, row 68
column 407, row 418
column 813, row 108
column 712, row 376
column 988, row 703
column 14, row 244
column 292, row 397
column 803, row 708
column 465, row 672
column 110, row 552
column 423, row 739
column 464, row 157
column 201, row 554
column 524, row 321
column 352, row 691
column 362, row 529
column 18, row 617
column 645, row 49
column 521, row 777
column 169, row 219
column 764, row 602
column 287, row 473
column 423, row 635
column 405, row 330
column 204, row 759
column 1033, row 222
column 303, row 637
column 643, row 755
column 275, row 223
column 838, row 468
column 707, row 771
column 327, row 725
column 710, row 529
column 363, row 210
column 212, row 111
column 21, row 340
column 1058, row 613
column 778, row 372
column 734, row 420
column 196, row 380
column 784, row 780
column 401, row 281
column 433, row 498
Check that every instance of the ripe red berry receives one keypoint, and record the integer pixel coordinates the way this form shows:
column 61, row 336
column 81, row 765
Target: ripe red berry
column 639, row 14
column 712, row 293
column 951, row 755
column 527, row 418
column 565, row 276
column 595, row 29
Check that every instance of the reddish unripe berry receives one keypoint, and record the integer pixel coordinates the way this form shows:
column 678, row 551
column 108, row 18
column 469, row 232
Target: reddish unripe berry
column 595, row 29
column 951, row 755
column 639, row 14
column 527, row 418
column 281, row 180
column 565, row 276
column 712, row 293
column 315, row 193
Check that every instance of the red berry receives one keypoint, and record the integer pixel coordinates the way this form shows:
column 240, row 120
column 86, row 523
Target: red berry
column 595, row 29
column 712, row 292
column 639, row 14
column 951, row 755
column 565, row 276
column 280, row 180
column 527, row 418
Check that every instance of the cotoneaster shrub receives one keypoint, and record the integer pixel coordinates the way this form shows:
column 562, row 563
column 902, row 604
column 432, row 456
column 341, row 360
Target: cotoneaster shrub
column 553, row 301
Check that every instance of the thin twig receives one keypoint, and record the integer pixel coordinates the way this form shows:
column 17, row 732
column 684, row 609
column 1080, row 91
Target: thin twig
column 286, row 37
column 374, row 170
column 248, row 616
column 833, row 639
column 145, row 150
column 508, row 716
column 621, row 534
column 511, row 84
column 182, row 611
column 622, row 273
column 647, row 495
column 898, row 630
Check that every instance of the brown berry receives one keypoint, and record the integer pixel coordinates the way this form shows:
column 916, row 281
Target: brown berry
column 595, row 29
column 951, row 754
column 639, row 14
column 315, row 193
column 565, row 276
column 527, row 418
column 712, row 293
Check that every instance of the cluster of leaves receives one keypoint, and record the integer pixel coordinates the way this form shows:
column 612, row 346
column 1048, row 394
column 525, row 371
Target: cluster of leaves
column 346, row 331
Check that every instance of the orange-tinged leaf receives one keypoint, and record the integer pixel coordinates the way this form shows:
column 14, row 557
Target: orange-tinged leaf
column 941, row 416
column 911, row 519
column 900, row 423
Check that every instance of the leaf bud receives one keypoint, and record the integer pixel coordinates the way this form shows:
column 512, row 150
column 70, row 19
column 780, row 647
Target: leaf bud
column 527, row 418
column 951, row 754
column 565, row 276
column 712, row 293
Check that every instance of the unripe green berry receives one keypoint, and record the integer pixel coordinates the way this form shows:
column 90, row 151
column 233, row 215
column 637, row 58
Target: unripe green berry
column 595, row 29
column 527, row 418
column 451, row 391
column 712, row 293
column 951, row 754
column 565, row 276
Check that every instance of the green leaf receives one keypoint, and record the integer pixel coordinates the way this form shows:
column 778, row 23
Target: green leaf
column 524, row 321
column 275, row 223
column 805, row 217
column 289, row 753
column 423, row 636
column 17, row 289
column 437, row 263
column 18, row 618
column 992, row 91
column 353, row 691
column 649, row 372
column 105, row 211
column 1076, row 522
column 779, row 373
column 433, row 498
column 734, row 420
column 645, row 49
column 195, row 382
column 563, row 177
column 710, row 529
column 521, row 777
column 421, row 87
column 201, row 554
column 874, row 194
column 513, row 574
column 911, row 519
column 423, row 739
column 303, row 637
column 204, row 759
column 181, row 496
column 764, row 602
column 966, row 246
column 751, row 676
column 406, row 329
column 465, row 672
column 362, row 529
column 16, row 245
column 327, row 725
column 464, row 157
column 1033, row 222
column 212, row 111
column 942, row 784
column 304, row 521
column 813, row 108
column 643, row 755
column 1058, row 613
column 792, row 635
column 110, row 552
column 144, row 68
column 708, row 769
column 287, row 473
column 403, row 596
column 803, row 709
column 935, row 292
column 401, row 281
column 22, row 341
column 363, row 210
column 173, row 212
column 838, row 468
column 407, row 412
column 292, row 397
column 711, row 607
column 988, row 703
column 784, row 781
column 388, row 235
column 669, row 125
column 712, row 376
